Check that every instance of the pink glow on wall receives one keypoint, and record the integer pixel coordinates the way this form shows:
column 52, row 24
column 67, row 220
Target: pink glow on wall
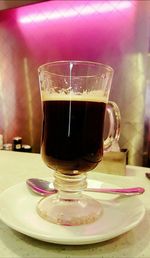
column 79, row 9
column 56, row 30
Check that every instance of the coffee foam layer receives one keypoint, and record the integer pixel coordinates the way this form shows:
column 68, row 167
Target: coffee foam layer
column 96, row 96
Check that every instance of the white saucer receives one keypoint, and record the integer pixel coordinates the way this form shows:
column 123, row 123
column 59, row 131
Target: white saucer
column 18, row 211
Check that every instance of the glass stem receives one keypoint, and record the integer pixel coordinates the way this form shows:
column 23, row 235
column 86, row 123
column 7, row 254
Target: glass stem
column 69, row 196
column 70, row 186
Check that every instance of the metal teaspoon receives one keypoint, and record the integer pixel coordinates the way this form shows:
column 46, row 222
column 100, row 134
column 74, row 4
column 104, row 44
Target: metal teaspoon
column 42, row 187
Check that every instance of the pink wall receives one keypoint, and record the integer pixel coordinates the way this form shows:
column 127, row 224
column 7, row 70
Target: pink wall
column 102, row 31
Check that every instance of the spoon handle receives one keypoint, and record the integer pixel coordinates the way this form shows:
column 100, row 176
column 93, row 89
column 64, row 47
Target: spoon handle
column 122, row 191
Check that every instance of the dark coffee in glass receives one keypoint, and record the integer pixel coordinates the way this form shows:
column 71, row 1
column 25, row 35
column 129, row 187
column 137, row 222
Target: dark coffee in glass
column 72, row 136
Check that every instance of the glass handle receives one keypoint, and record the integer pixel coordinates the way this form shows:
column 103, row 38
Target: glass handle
column 114, row 128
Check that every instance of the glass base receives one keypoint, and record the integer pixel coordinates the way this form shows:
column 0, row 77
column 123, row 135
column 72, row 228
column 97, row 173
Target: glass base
column 69, row 206
column 69, row 211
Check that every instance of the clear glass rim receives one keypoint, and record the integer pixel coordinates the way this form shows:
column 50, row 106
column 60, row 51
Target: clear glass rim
column 108, row 68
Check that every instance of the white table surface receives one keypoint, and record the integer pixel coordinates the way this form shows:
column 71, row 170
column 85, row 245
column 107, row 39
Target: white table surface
column 16, row 167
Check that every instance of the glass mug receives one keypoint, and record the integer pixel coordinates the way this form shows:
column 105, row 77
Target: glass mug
column 74, row 97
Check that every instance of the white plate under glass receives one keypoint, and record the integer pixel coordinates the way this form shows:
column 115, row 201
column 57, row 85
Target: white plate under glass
column 119, row 216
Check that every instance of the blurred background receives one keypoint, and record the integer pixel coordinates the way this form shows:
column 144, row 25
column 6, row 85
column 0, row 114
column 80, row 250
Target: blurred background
column 112, row 32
